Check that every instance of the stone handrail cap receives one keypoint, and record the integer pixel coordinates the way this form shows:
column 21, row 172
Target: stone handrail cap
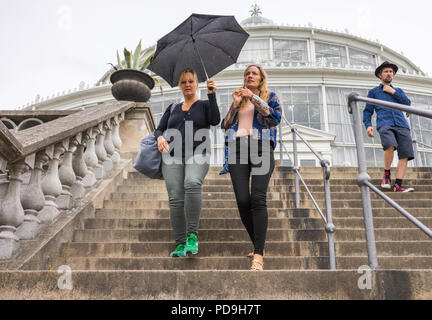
column 10, row 147
column 39, row 137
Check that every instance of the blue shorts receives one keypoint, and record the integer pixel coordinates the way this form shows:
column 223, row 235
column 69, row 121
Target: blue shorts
column 399, row 138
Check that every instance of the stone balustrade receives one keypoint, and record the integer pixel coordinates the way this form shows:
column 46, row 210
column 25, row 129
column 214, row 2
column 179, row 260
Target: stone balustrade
column 63, row 158
column 16, row 120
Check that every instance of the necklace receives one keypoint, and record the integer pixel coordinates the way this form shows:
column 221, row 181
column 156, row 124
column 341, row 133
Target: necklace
column 187, row 106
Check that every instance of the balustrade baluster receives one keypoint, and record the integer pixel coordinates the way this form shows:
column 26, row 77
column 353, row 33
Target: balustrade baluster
column 80, row 168
column 51, row 185
column 116, row 138
column 90, row 158
column 100, row 151
column 67, row 177
column 33, row 200
column 11, row 211
column 109, row 146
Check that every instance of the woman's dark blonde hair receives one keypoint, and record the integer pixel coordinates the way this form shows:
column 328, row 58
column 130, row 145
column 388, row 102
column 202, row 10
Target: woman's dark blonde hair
column 264, row 93
column 184, row 72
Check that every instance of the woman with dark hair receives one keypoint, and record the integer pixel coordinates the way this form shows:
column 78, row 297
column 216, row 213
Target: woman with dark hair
column 252, row 120
column 184, row 171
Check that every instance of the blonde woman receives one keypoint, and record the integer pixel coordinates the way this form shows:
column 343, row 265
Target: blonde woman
column 252, row 120
column 184, row 177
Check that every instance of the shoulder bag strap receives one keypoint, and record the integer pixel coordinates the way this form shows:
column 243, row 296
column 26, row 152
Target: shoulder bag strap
column 173, row 106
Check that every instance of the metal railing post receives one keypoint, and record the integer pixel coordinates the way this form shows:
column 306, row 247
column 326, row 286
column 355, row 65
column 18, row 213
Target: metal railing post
column 296, row 167
column 325, row 164
column 280, row 144
column 330, row 227
column 415, row 145
column 362, row 179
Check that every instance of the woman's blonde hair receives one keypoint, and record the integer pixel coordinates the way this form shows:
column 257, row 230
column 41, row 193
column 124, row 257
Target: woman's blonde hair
column 264, row 93
column 187, row 70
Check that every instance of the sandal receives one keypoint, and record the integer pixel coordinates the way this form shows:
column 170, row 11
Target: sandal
column 257, row 265
column 251, row 254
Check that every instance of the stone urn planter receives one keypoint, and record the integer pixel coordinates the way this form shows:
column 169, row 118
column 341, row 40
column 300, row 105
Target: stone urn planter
column 131, row 85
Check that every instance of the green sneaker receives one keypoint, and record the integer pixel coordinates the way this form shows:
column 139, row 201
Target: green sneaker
column 191, row 244
column 179, row 251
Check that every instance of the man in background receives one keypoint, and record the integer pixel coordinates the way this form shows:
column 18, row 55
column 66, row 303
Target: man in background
column 392, row 126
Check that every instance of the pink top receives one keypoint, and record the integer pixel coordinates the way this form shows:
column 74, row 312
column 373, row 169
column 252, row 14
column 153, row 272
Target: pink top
column 245, row 120
column 232, row 115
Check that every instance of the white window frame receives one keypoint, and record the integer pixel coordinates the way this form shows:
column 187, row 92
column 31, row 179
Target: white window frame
column 308, row 56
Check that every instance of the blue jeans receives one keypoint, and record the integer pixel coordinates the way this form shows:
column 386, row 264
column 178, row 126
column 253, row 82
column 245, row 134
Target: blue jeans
column 184, row 185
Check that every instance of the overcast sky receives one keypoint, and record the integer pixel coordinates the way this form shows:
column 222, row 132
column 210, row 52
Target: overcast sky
column 50, row 46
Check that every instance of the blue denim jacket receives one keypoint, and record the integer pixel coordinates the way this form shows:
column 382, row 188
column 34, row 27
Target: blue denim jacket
column 386, row 116
column 261, row 122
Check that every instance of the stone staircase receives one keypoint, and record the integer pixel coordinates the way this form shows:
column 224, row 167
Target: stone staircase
column 122, row 252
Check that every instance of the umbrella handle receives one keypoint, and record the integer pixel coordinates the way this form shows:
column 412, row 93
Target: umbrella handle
column 210, row 88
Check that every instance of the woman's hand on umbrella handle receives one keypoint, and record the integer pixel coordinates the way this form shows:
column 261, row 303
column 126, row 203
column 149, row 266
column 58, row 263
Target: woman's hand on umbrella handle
column 211, row 86
column 237, row 97
column 162, row 145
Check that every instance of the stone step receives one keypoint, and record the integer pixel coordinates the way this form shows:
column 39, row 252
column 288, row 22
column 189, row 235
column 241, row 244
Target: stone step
column 232, row 204
column 206, row 249
column 355, row 169
column 237, row 263
column 217, row 169
column 333, row 168
column 270, row 195
column 137, row 235
column 205, row 213
column 333, row 175
column 352, row 203
column 272, row 213
column 241, row 248
column 210, row 285
column 277, row 182
column 235, row 223
column 205, row 196
column 304, row 174
column 283, row 189
column 115, row 204
column 357, row 195
column 380, row 212
column 213, row 223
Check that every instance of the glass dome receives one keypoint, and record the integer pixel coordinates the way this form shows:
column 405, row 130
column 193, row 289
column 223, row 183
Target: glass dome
column 256, row 20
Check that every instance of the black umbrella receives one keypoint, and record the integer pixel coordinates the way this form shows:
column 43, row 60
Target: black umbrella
column 206, row 43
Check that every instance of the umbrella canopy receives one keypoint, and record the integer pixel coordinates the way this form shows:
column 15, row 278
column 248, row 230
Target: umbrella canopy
column 206, row 43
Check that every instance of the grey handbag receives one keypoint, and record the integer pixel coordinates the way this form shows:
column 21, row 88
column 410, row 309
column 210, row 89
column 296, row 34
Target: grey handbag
column 148, row 161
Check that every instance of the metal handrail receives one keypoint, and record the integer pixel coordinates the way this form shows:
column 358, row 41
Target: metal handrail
column 424, row 144
column 415, row 142
column 307, row 189
column 325, row 164
column 363, row 179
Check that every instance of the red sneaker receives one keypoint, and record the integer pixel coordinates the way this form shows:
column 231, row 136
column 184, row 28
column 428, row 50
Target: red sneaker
column 386, row 183
column 398, row 188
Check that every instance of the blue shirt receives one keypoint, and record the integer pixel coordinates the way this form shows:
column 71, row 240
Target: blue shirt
column 386, row 116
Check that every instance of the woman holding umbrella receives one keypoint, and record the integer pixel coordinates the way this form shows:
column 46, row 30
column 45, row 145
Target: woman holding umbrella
column 252, row 120
column 185, row 176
